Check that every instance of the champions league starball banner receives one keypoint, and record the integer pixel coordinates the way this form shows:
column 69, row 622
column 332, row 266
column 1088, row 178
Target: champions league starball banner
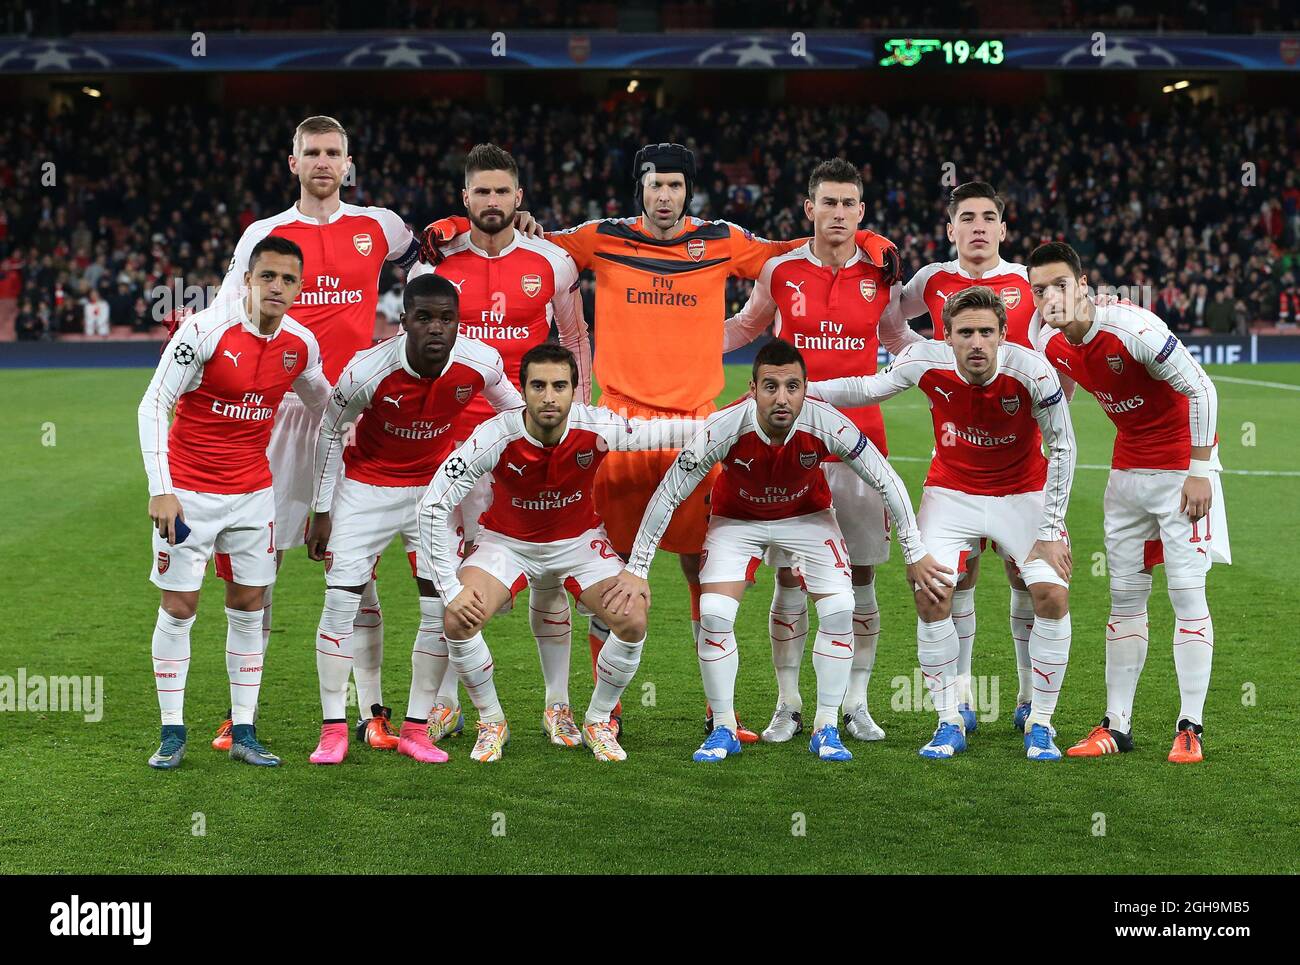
column 520, row 50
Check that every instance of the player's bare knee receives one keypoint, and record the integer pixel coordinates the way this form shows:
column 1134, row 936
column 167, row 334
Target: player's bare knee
column 932, row 611
column 180, row 606
column 247, row 598
column 631, row 627
column 1051, row 600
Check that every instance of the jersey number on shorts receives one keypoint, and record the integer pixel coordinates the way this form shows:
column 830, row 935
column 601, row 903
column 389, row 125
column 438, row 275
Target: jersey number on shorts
column 839, row 562
column 602, row 547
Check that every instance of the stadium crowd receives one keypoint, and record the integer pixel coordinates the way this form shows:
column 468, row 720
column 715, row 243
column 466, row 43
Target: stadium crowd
column 63, row 17
column 1161, row 201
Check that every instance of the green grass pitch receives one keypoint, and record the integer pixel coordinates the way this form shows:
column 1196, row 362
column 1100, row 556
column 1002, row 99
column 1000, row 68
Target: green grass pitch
column 74, row 550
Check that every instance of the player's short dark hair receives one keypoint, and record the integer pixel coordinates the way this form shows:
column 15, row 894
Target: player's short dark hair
column 429, row 286
column 276, row 246
column 974, row 189
column 489, row 157
column 835, row 169
column 978, row 297
column 778, row 352
column 547, row 351
column 1054, row 252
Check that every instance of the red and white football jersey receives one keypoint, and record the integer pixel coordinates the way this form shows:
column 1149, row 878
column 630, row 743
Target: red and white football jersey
column 405, row 432
column 935, row 283
column 1158, row 396
column 988, row 438
column 762, row 481
column 540, row 494
column 342, row 260
column 225, row 380
column 830, row 316
column 508, row 300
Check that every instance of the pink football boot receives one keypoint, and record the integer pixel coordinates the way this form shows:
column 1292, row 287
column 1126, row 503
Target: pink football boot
column 413, row 741
column 333, row 746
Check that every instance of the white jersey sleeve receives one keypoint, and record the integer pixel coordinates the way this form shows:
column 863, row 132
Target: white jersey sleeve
column 475, row 458
column 501, row 395
column 855, row 391
column 712, row 441
column 1040, row 335
column 860, row 455
column 1150, row 342
column 621, row 434
column 179, row 370
column 344, row 406
column 756, row 315
column 895, row 333
column 1053, row 417
column 570, row 322
column 403, row 247
column 912, row 300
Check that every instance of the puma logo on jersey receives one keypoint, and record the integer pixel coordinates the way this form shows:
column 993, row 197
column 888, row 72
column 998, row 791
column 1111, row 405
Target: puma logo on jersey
column 518, row 469
column 396, row 402
column 1065, row 363
column 234, row 358
column 943, row 295
column 947, row 396
column 744, row 463
column 798, row 288
column 457, row 285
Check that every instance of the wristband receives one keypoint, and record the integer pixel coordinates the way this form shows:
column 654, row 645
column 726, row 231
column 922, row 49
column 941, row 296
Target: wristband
column 1200, row 468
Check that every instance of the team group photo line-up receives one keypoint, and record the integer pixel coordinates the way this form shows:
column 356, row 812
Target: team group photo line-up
column 273, row 422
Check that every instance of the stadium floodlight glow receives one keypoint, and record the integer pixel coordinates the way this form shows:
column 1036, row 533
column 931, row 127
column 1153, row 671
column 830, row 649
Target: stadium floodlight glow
column 91, row 92
column 1182, row 84
column 632, row 85
column 1167, row 89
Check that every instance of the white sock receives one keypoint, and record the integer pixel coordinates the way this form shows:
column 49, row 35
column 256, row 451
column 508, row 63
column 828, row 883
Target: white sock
column 368, row 650
column 963, row 620
column 1022, row 624
column 243, row 662
column 832, row 656
column 787, row 627
column 551, row 621
column 716, row 649
column 171, row 664
column 267, row 594
column 473, row 662
column 1049, row 654
column 937, row 650
column 334, row 656
column 449, row 688
column 615, row 668
column 866, row 635
column 429, row 660
column 1193, row 646
column 1126, row 646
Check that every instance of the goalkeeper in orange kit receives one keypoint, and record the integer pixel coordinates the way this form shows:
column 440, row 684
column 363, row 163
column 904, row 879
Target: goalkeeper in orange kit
column 660, row 309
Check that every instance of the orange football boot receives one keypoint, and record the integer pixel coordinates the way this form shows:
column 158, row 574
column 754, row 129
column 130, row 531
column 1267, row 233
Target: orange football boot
column 223, row 739
column 1187, row 748
column 377, row 730
column 1101, row 740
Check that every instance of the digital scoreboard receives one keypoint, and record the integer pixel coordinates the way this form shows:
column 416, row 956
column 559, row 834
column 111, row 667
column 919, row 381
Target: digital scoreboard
column 949, row 51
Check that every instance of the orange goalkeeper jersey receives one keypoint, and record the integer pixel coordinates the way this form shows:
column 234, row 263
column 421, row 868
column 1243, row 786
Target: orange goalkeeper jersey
column 661, row 305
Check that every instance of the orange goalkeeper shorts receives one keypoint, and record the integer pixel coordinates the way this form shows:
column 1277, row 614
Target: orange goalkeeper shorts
column 626, row 481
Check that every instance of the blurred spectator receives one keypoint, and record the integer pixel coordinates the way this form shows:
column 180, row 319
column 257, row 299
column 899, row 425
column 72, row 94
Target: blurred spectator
column 28, row 325
column 96, row 314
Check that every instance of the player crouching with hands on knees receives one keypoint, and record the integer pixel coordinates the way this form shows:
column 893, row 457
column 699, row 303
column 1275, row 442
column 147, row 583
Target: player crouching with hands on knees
column 993, row 404
column 224, row 373
column 772, row 493
column 542, row 524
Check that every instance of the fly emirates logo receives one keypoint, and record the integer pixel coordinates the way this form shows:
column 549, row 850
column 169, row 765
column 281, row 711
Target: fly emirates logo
column 250, row 407
column 1109, row 404
column 417, row 430
column 547, row 499
column 980, row 437
column 830, row 337
column 662, row 292
column 492, row 325
column 776, row 494
column 328, row 292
